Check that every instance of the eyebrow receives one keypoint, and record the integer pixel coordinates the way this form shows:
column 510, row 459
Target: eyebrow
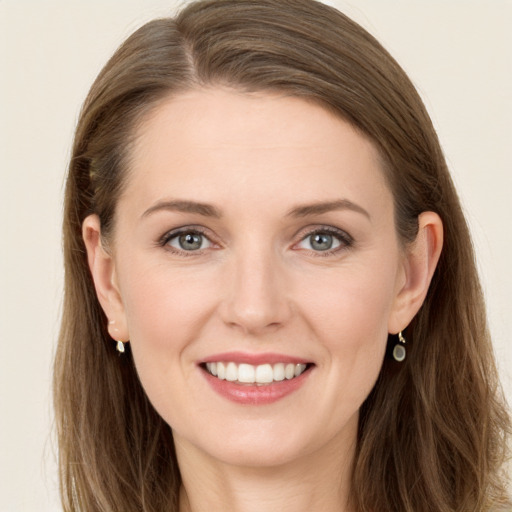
column 325, row 207
column 205, row 209
column 208, row 210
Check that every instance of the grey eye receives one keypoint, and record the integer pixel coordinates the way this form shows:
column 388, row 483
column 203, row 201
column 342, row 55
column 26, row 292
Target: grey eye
column 190, row 241
column 320, row 241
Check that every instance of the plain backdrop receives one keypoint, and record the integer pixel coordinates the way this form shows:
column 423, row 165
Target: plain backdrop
column 458, row 53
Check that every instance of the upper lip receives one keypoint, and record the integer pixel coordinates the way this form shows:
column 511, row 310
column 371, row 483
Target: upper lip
column 254, row 359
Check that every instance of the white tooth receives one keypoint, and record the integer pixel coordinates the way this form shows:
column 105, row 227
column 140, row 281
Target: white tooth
column 213, row 368
column 299, row 368
column 221, row 371
column 279, row 371
column 246, row 373
column 264, row 374
column 289, row 371
column 231, row 372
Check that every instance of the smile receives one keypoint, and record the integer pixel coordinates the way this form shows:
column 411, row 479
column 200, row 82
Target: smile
column 262, row 374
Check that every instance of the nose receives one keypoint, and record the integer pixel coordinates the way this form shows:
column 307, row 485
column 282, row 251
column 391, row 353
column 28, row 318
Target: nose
column 256, row 298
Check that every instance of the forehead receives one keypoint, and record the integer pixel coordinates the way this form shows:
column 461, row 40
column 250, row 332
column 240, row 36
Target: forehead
column 223, row 142
column 224, row 116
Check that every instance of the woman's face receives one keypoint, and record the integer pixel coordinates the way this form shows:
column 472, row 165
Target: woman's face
column 255, row 239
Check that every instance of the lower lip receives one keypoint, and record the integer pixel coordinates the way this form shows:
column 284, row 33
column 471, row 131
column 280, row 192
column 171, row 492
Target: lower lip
column 250, row 394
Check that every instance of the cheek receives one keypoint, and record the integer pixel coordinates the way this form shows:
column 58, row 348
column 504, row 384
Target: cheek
column 350, row 318
column 165, row 313
column 164, row 308
column 351, row 306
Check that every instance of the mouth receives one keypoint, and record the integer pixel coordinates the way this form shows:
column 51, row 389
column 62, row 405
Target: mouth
column 264, row 374
column 255, row 379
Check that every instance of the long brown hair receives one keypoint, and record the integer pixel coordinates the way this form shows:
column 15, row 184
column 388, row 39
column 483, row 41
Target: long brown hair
column 433, row 431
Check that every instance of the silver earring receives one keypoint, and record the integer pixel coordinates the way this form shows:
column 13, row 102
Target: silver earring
column 399, row 351
column 120, row 347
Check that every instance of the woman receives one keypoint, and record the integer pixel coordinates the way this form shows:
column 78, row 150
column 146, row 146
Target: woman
column 271, row 297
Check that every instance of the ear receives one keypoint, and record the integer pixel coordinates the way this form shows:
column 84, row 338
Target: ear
column 420, row 261
column 102, row 267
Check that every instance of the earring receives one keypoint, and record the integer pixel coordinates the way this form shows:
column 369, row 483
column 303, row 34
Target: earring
column 120, row 347
column 399, row 351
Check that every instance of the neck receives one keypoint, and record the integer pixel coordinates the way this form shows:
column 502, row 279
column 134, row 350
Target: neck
column 315, row 482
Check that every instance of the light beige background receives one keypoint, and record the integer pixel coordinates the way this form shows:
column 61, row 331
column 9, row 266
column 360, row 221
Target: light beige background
column 457, row 52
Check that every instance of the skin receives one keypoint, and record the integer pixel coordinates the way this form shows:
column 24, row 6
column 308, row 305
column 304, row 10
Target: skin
column 258, row 285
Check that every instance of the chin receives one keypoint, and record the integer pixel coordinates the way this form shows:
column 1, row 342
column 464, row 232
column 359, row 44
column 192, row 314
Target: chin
column 271, row 444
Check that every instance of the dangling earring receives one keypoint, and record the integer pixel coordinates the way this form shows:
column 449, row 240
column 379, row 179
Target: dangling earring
column 119, row 343
column 399, row 351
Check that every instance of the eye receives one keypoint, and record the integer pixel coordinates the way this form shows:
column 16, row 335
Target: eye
column 320, row 242
column 325, row 241
column 188, row 241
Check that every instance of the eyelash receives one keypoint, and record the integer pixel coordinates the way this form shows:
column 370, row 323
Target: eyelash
column 345, row 240
column 170, row 235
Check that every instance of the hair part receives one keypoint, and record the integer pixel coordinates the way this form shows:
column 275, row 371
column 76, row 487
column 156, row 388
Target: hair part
column 432, row 433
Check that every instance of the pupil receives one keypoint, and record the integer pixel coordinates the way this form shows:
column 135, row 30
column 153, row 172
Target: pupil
column 321, row 242
column 190, row 241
